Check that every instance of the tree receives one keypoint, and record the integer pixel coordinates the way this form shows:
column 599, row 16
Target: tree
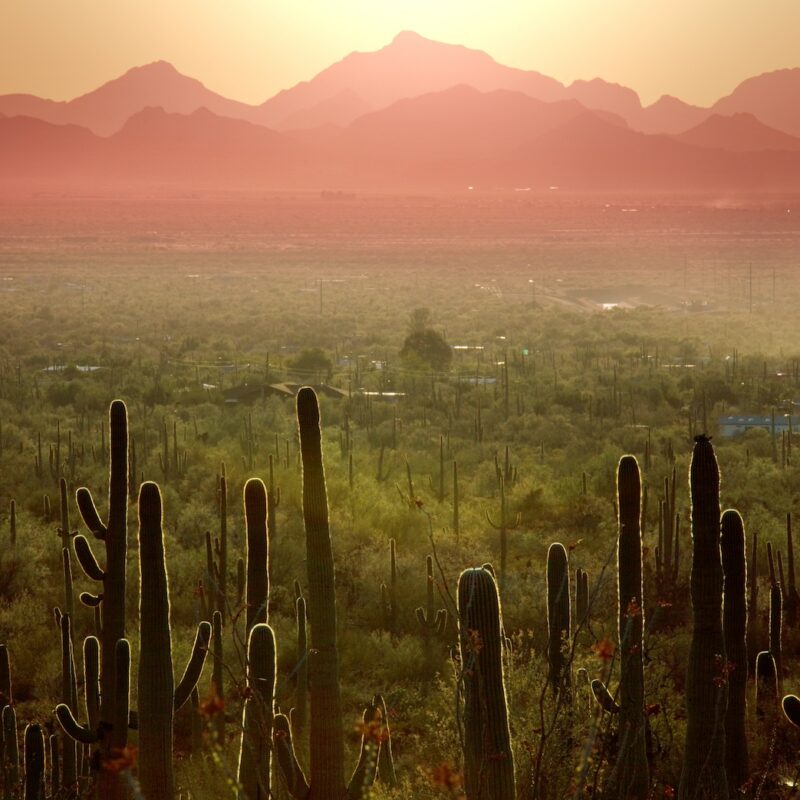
column 429, row 347
column 312, row 362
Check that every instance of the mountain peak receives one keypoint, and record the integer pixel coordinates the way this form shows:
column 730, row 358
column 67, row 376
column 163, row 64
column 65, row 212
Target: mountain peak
column 159, row 68
column 408, row 37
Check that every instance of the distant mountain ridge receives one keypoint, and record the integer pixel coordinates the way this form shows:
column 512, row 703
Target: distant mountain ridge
column 364, row 82
column 446, row 141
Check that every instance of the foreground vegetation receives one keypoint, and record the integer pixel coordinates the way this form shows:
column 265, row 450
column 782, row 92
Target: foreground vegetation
column 506, row 453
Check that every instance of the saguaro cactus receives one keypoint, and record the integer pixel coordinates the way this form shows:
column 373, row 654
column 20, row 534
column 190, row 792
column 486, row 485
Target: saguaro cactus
column 257, row 585
column 503, row 526
column 429, row 618
column 255, row 753
column 488, row 759
column 34, row 763
column 326, row 780
column 734, row 626
column 703, row 774
column 558, row 615
column 158, row 695
column 114, row 535
column 632, row 768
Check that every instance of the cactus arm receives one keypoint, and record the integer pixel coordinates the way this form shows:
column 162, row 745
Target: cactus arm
column 367, row 767
column 603, row 697
column 386, row 772
column 91, row 600
column 194, row 667
column 73, row 728
column 791, row 709
column 87, row 560
column 293, row 774
column 91, row 677
column 91, row 519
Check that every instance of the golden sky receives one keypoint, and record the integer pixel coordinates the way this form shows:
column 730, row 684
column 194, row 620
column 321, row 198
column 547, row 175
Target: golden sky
column 249, row 49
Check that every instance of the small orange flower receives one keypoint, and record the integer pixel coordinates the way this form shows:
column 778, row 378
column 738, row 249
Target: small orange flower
column 213, row 704
column 121, row 759
column 604, row 648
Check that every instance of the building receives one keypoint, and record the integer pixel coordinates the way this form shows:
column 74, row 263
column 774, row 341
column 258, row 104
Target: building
column 737, row 424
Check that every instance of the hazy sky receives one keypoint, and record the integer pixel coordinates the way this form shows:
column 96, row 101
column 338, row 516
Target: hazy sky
column 249, row 49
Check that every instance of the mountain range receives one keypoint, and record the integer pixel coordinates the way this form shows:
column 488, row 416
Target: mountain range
column 415, row 113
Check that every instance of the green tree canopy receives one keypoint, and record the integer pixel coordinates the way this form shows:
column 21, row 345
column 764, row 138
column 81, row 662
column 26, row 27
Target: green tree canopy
column 429, row 347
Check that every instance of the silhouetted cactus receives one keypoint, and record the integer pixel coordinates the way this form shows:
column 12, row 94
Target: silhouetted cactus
column 429, row 618
column 157, row 693
column 386, row 772
column 734, row 626
column 703, row 774
column 581, row 597
column 6, row 694
column 69, row 697
column 604, row 697
column 488, row 759
column 558, row 615
column 257, row 585
column 776, row 629
column 456, row 523
column 792, row 603
column 301, row 695
column 10, row 752
column 255, row 752
column 503, row 525
column 326, row 779
column 389, row 593
column 34, row 788
column 66, row 535
column 632, row 772
column 114, row 535
column 12, row 522
column 766, row 687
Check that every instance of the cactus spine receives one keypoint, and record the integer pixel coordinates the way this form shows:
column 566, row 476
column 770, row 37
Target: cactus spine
column 558, row 615
column 632, row 768
column 703, row 774
column 488, row 759
column 734, row 626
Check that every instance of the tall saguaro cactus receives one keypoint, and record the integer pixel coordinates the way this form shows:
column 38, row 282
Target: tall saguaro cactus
column 326, row 779
column 703, row 776
column 558, row 615
column 257, row 585
column 114, row 535
column 255, row 753
column 734, row 626
column 632, row 768
column 488, row 759
column 158, row 695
